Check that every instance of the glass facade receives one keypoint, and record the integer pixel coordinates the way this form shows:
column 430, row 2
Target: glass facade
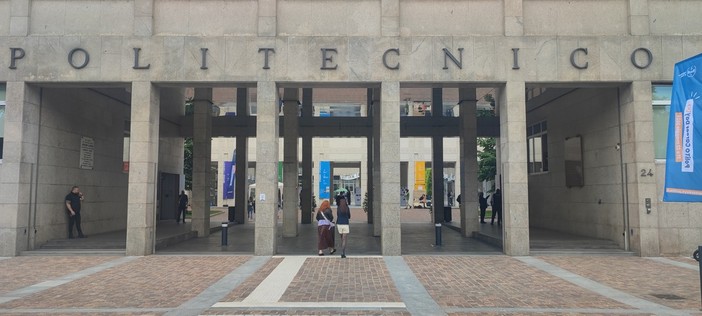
column 660, row 94
column 537, row 147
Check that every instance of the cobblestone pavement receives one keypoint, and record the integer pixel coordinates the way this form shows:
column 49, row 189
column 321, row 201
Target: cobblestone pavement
column 370, row 285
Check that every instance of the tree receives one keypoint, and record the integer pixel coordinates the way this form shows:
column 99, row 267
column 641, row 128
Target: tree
column 427, row 181
column 188, row 150
column 487, row 154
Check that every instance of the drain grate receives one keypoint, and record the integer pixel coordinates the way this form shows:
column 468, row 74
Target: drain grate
column 668, row 296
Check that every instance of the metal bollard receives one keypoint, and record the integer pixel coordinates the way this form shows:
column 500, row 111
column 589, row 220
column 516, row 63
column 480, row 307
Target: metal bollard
column 225, row 231
column 437, row 229
column 696, row 256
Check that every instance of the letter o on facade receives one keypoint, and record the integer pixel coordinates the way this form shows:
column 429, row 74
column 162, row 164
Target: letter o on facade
column 649, row 58
column 85, row 61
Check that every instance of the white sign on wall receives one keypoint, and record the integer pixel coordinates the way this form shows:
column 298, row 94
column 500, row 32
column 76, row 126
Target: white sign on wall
column 87, row 152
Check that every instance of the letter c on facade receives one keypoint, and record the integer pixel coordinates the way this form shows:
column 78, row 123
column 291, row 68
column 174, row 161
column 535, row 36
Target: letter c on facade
column 572, row 58
column 385, row 58
column 85, row 61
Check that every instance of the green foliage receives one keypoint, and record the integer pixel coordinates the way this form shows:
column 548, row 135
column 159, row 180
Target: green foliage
column 365, row 202
column 487, row 160
column 188, row 151
column 427, row 180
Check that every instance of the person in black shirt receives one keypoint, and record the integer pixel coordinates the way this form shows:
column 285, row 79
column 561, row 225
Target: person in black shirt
column 74, row 201
column 182, row 206
column 497, row 207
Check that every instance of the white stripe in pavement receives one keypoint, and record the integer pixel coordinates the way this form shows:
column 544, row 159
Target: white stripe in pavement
column 600, row 288
column 19, row 293
column 529, row 310
column 676, row 263
column 412, row 291
column 273, row 287
column 220, row 289
column 329, row 256
column 316, row 305
column 3, row 258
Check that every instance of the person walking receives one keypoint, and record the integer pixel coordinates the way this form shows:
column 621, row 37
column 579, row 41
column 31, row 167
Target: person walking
column 497, row 207
column 182, row 206
column 324, row 228
column 74, row 202
column 343, row 214
column 250, row 207
column 482, row 201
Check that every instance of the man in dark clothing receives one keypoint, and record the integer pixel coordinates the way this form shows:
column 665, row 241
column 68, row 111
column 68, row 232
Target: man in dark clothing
column 482, row 201
column 74, row 201
column 182, row 206
column 497, row 207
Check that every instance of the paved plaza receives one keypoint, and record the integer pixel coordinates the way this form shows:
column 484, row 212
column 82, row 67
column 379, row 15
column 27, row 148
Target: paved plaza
column 359, row 285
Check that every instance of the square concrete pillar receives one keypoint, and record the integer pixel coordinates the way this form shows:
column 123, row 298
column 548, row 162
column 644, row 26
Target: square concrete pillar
column 307, row 189
column 202, row 152
column 470, row 209
column 291, row 133
column 377, row 207
column 389, row 154
column 266, row 169
column 143, row 169
column 267, row 17
column 515, row 189
column 639, row 23
column 20, row 159
column 638, row 154
column 514, row 17
column 241, row 195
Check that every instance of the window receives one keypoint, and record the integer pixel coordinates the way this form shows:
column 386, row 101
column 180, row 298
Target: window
column 537, row 148
column 2, row 117
column 661, row 114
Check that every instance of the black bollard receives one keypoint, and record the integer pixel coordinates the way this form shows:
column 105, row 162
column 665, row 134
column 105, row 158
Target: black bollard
column 437, row 229
column 225, row 230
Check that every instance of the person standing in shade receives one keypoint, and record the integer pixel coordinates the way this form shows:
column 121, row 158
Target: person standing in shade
column 343, row 214
column 497, row 207
column 482, row 201
column 182, row 206
column 74, row 201
column 250, row 207
column 324, row 228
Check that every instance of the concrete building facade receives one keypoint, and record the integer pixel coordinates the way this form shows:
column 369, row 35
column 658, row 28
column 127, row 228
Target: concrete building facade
column 82, row 78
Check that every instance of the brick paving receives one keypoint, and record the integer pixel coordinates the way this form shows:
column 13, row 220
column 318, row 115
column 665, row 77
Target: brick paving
column 545, row 314
column 331, row 279
column 248, row 286
column 19, row 272
column 499, row 281
column 639, row 277
column 305, row 312
column 155, row 281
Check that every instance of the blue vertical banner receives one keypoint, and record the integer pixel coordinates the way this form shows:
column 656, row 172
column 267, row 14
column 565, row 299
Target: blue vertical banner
column 229, row 175
column 324, row 172
column 683, row 174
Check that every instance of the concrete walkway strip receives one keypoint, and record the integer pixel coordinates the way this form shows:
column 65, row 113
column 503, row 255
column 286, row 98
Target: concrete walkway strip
column 219, row 289
column 601, row 289
column 311, row 305
column 273, row 287
column 676, row 263
column 535, row 310
column 412, row 292
column 19, row 293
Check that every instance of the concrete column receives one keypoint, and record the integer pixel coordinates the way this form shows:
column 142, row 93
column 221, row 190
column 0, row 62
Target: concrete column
column 390, row 241
column 267, row 122
column 369, row 178
column 637, row 153
column 470, row 209
column 515, row 188
column 390, row 21
column 20, row 157
column 437, row 155
column 377, row 208
column 241, row 194
column 514, row 17
column 202, row 152
column 307, row 162
column 638, row 17
column 143, row 17
column 143, row 169
column 267, row 25
column 19, row 17
column 291, row 134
